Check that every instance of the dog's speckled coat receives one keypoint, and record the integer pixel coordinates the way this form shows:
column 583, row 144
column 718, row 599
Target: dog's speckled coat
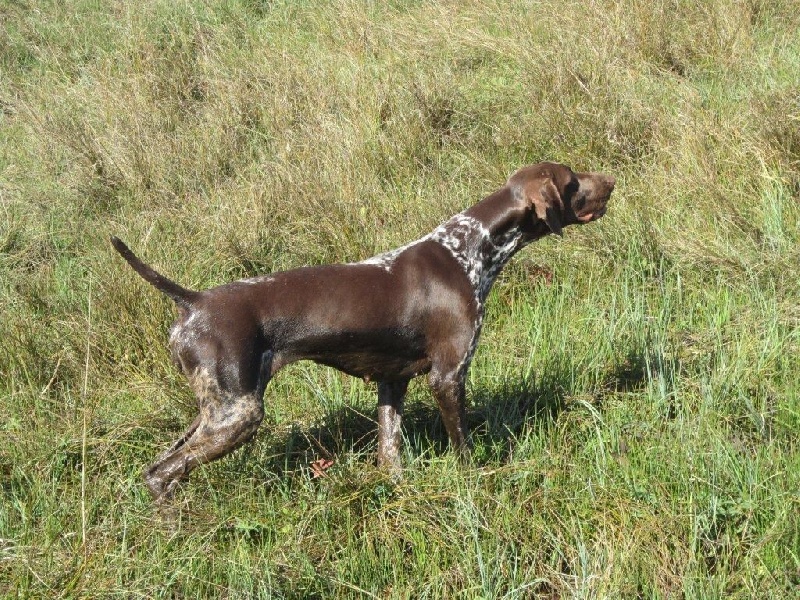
column 414, row 310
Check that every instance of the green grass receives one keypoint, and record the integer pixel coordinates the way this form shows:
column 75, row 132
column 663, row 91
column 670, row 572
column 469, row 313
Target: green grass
column 636, row 420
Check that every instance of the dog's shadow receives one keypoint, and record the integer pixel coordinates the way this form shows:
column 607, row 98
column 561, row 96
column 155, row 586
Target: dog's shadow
column 498, row 415
column 495, row 417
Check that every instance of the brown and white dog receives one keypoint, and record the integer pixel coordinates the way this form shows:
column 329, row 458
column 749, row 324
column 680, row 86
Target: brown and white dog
column 414, row 310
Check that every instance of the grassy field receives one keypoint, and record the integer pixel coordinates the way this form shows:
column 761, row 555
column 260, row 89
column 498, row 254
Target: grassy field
column 635, row 400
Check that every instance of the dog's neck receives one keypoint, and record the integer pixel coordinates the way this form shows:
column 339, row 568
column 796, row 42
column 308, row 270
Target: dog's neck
column 484, row 237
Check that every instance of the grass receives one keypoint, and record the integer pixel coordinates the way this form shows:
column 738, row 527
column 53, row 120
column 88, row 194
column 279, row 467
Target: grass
column 634, row 402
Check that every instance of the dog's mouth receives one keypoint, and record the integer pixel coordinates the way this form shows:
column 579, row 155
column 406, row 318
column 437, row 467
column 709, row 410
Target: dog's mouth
column 592, row 216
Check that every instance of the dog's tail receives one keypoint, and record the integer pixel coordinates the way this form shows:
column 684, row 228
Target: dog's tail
column 182, row 297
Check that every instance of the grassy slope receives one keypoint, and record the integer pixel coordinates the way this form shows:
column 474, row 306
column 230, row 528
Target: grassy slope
column 636, row 420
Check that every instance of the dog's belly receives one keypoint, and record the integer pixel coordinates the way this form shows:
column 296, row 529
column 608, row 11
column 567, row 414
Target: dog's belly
column 373, row 367
column 384, row 355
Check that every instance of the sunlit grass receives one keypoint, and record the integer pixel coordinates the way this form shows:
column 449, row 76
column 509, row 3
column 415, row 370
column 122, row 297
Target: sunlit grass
column 634, row 400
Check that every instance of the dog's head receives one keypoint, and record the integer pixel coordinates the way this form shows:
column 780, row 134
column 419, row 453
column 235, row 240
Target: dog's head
column 558, row 196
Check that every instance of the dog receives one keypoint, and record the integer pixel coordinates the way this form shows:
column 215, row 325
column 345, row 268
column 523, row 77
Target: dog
column 411, row 311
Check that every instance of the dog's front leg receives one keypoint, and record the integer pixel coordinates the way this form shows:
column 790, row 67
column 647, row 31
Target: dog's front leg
column 390, row 414
column 449, row 390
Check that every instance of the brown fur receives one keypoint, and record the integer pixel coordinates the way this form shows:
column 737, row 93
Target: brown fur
column 415, row 310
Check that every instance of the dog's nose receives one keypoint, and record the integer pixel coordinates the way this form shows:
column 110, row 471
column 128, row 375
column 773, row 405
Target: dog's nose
column 611, row 180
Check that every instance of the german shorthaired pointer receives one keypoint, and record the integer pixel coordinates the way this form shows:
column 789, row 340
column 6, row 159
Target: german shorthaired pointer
column 417, row 309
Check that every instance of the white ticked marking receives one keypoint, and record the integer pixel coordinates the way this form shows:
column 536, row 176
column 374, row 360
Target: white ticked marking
column 470, row 243
column 386, row 260
column 481, row 257
column 259, row 279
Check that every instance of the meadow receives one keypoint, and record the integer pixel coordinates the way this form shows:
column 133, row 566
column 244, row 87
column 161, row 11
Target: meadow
column 634, row 400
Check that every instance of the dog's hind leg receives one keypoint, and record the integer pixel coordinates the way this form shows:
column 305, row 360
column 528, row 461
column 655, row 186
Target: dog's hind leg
column 226, row 421
column 224, row 424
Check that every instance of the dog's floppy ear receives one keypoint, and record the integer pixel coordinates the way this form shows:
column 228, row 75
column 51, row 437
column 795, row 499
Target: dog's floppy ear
column 546, row 201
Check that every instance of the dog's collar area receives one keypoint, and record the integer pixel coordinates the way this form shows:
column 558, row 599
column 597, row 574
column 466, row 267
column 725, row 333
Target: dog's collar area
column 471, row 244
column 481, row 257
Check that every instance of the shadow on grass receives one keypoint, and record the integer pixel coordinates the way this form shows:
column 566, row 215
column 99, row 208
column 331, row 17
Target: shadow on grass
column 497, row 416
